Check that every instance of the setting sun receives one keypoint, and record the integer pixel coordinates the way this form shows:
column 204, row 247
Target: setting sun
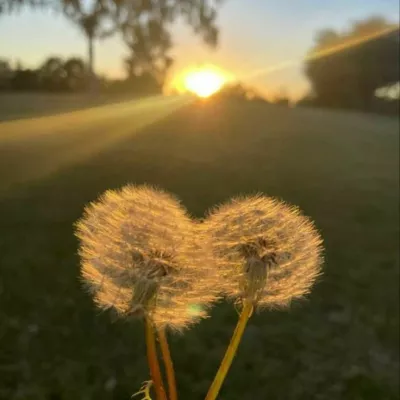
column 204, row 82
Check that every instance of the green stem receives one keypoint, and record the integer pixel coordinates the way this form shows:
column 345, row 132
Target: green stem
column 169, row 366
column 153, row 361
column 230, row 352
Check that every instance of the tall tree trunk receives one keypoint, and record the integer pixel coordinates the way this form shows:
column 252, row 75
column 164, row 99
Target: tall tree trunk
column 92, row 80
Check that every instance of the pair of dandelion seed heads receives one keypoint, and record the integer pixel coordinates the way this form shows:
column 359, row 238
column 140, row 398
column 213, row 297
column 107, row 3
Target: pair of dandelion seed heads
column 143, row 255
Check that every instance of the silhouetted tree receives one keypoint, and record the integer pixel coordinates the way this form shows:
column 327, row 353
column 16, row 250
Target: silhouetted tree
column 145, row 27
column 148, row 44
column 52, row 74
column 239, row 91
column 87, row 14
column 25, row 79
column 233, row 91
column 92, row 16
column 75, row 74
column 6, row 74
column 144, row 24
column 58, row 75
column 345, row 69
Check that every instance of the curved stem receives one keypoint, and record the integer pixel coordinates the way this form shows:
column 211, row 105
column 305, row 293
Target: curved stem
column 230, row 352
column 169, row 366
column 153, row 361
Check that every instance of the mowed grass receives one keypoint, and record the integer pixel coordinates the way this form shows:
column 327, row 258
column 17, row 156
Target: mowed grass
column 31, row 104
column 341, row 169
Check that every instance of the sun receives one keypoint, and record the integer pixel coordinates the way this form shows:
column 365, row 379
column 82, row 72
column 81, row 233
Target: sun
column 204, row 81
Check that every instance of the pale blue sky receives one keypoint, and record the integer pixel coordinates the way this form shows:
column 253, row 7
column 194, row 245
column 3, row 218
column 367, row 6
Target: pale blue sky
column 255, row 34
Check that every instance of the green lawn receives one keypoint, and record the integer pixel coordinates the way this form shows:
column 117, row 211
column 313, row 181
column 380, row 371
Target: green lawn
column 24, row 105
column 341, row 169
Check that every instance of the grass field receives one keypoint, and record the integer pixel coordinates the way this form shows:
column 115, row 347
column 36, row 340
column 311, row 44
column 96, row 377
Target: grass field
column 31, row 104
column 341, row 169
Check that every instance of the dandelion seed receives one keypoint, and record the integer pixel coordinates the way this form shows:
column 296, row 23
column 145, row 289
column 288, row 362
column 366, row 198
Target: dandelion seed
column 266, row 252
column 141, row 256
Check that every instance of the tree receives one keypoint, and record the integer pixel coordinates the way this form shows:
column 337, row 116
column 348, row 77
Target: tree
column 6, row 74
column 145, row 27
column 58, row 75
column 24, row 79
column 346, row 69
column 75, row 74
column 148, row 44
column 91, row 17
column 239, row 92
column 52, row 74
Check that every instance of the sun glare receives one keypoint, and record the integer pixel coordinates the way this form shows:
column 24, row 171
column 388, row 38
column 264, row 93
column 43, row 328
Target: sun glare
column 204, row 82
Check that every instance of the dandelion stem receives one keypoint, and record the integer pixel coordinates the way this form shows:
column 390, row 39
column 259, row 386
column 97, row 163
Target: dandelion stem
column 230, row 352
column 153, row 362
column 169, row 367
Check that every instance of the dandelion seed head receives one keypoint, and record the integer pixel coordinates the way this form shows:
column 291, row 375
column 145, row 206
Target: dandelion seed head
column 141, row 255
column 265, row 251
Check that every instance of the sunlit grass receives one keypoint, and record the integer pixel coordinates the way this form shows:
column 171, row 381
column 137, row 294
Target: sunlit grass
column 63, row 140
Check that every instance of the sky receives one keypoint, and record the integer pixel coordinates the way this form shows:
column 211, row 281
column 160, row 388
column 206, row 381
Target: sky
column 254, row 35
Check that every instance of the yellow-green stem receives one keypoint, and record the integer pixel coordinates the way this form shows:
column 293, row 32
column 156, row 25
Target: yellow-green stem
column 169, row 366
column 230, row 352
column 152, row 359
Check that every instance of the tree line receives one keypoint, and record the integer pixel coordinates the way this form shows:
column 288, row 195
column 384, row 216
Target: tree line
column 357, row 69
column 144, row 26
column 56, row 74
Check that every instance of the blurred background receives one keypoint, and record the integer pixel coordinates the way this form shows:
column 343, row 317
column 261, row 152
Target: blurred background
column 207, row 99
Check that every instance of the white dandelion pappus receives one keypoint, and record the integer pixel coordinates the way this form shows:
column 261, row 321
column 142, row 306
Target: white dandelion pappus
column 141, row 255
column 265, row 251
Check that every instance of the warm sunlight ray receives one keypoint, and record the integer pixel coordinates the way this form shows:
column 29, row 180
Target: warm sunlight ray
column 204, row 81
column 52, row 143
column 319, row 54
